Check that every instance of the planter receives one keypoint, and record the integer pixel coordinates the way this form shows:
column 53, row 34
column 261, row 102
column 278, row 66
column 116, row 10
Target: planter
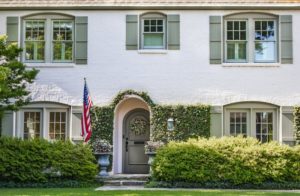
column 151, row 156
column 103, row 161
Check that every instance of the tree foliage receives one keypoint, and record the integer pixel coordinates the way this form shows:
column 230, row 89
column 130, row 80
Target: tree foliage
column 14, row 77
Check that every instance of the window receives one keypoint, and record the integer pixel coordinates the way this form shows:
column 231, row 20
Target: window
column 251, row 38
column 153, row 31
column 32, row 125
column 265, row 41
column 57, row 126
column 238, row 123
column 236, row 41
column 35, row 40
column 255, row 119
column 264, row 126
column 48, row 38
column 62, row 40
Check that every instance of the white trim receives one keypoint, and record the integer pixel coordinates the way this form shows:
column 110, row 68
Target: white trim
column 148, row 51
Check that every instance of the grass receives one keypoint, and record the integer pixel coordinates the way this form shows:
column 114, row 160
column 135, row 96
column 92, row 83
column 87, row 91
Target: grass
column 91, row 191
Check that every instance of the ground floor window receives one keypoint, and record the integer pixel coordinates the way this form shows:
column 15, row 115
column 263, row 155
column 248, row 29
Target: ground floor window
column 256, row 120
column 57, row 126
column 238, row 123
column 48, row 123
column 264, row 126
column 32, row 125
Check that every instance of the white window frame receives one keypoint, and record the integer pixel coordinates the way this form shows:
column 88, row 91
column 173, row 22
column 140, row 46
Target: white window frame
column 52, row 41
column 22, row 116
column 252, row 108
column 48, row 18
column 227, row 120
column 47, row 134
column 275, row 40
column 153, row 16
column 250, row 28
column 247, row 41
column 275, row 120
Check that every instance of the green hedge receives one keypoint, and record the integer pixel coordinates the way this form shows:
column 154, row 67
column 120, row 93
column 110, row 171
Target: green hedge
column 40, row 161
column 235, row 160
column 297, row 123
column 190, row 121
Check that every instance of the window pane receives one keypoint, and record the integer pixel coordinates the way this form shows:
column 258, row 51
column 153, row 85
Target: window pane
column 257, row 25
column 146, row 22
column 31, row 125
column 230, row 51
column 264, row 126
column 236, row 25
column 153, row 40
column 230, row 35
column 265, row 51
column 146, row 29
column 34, row 50
column 242, row 51
column 243, row 35
column 62, row 40
column 159, row 22
column 243, row 25
column 62, row 51
column 159, row 29
column 229, row 25
column 236, row 35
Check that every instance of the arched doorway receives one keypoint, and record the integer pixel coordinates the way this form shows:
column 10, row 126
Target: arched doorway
column 136, row 131
column 126, row 110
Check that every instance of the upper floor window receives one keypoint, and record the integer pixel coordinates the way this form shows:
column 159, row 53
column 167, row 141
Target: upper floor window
column 251, row 38
column 153, row 31
column 48, row 38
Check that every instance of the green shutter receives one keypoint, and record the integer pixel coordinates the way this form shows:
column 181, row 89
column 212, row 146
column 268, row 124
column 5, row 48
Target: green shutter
column 173, row 32
column 286, row 39
column 215, row 40
column 131, row 32
column 81, row 39
column 12, row 29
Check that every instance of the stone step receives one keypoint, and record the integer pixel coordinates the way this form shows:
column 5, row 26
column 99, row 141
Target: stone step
column 124, row 182
column 136, row 177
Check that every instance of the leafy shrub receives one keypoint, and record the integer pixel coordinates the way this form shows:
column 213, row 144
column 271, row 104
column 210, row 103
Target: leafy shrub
column 191, row 121
column 234, row 160
column 40, row 161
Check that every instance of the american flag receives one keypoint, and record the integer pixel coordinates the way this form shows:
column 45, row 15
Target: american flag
column 86, row 128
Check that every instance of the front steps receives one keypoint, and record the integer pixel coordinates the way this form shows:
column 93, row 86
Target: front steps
column 124, row 179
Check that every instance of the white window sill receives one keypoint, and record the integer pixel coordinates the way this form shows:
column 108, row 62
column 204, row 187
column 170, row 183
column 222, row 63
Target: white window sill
column 50, row 65
column 153, row 51
column 251, row 64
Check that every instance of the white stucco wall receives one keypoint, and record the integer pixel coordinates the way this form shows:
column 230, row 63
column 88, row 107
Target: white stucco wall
column 183, row 76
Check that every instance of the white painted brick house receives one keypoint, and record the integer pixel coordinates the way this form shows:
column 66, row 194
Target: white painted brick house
column 238, row 56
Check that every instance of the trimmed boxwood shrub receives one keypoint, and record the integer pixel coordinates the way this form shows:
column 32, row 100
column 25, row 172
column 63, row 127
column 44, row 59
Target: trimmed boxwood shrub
column 233, row 160
column 40, row 161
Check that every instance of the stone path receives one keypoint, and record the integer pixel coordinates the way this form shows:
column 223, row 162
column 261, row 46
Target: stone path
column 117, row 188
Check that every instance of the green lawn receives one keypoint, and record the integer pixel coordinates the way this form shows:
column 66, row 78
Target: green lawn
column 90, row 191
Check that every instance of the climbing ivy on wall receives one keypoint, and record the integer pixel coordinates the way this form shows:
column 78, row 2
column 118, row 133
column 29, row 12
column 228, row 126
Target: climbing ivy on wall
column 190, row 121
column 297, row 123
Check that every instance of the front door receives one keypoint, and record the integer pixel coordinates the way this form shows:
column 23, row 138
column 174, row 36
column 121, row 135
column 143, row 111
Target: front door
column 136, row 133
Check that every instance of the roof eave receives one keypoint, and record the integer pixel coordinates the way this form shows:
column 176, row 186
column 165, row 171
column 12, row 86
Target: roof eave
column 258, row 6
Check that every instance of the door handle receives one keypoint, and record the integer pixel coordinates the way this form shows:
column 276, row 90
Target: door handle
column 126, row 144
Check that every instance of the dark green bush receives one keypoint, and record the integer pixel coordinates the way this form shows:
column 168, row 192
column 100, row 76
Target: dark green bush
column 40, row 161
column 234, row 160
